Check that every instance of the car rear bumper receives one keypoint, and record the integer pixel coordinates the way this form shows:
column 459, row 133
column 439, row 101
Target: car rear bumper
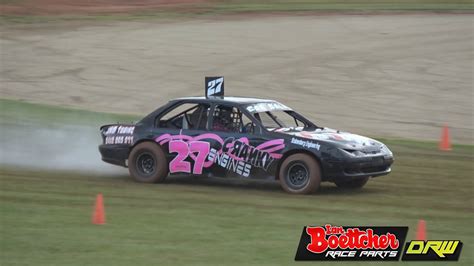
column 114, row 154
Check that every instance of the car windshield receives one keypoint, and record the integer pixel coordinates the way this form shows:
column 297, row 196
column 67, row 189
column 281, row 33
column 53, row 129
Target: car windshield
column 283, row 120
column 274, row 115
column 278, row 119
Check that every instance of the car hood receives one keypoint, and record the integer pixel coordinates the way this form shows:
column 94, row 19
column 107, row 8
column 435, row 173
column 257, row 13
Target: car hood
column 341, row 139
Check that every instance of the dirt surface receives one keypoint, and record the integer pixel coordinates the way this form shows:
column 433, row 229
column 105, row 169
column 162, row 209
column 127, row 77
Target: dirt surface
column 65, row 7
column 385, row 75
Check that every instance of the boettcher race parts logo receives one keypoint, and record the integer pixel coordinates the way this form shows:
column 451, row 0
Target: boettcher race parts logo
column 330, row 242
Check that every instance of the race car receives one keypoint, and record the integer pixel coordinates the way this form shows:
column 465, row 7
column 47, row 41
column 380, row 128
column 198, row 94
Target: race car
column 222, row 136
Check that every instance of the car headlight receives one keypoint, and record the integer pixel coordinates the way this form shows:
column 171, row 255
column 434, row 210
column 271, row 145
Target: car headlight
column 386, row 150
column 356, row 153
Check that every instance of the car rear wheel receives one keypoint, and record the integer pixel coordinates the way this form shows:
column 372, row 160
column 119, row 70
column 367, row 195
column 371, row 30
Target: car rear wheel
column 300, row 174
column 147, row 163
column 354, row 183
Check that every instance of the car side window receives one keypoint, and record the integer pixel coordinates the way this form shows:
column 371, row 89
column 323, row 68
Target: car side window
column 185, row 116
column 248, row 126
column 231, row 119
column 266, row 120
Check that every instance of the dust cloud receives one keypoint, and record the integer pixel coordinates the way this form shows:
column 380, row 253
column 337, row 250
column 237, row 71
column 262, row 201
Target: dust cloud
column 54, row 147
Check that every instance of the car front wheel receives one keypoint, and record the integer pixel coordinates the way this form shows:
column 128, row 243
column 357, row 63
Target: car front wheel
column 300, row 174
column 147, row 163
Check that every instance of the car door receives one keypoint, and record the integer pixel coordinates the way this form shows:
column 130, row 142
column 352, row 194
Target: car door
column 240, row 148
column 178, row 131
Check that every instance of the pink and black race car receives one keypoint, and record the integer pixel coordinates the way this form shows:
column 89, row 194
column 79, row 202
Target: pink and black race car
column 241, row 137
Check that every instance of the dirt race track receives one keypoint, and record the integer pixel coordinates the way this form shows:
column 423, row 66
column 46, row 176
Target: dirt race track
column 381, row 75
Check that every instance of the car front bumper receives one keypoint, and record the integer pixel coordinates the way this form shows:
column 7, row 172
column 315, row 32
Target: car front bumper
column 348, row 169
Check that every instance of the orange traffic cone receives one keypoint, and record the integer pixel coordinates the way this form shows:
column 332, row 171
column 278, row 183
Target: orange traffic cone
column 445, row 144
column 98, row 217
column 421, row 230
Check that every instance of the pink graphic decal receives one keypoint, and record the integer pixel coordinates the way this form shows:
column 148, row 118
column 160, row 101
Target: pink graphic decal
column 165, row 138
column 233, row 154
column 178, row 164
column 185, row 150
column 202, row 148
column 306, row 134
column 272, row 146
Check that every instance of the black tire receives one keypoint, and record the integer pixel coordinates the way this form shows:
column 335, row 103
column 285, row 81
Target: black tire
column 300, row 174
column 353, row 184
column 147, row 163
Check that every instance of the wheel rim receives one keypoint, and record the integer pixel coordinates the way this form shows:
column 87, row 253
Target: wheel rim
column 297, row 175
column 146, row 164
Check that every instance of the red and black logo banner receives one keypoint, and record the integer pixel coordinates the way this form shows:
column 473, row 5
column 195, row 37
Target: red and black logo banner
column 328, row 242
